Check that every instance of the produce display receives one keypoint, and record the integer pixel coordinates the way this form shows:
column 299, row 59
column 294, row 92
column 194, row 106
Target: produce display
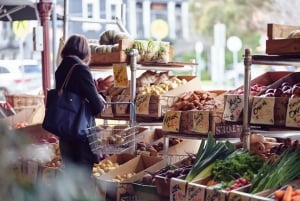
column 290, row 193
column 103, row 167
column 236, row 170
column 273, row 174
column 209, row 152
column 199, row 100
column 284, row 90
column 255, row 89
column 120, row 178
column 271, row 164
column 108, row 41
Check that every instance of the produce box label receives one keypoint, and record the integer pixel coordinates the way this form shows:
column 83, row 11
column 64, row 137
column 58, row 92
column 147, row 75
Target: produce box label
column 201, row 121
column 120, row 75
column 233, row 107
column 293, row 113
column 142, row 103
column 195, row 192
column 178, row 189
column 171, row 121
column 214, row 194
column 224, row 129
column 263, row 110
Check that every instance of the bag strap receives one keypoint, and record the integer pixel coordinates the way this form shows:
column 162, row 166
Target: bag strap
column 67, row 79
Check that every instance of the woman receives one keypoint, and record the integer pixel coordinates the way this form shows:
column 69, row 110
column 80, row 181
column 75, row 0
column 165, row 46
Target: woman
column 76, row 50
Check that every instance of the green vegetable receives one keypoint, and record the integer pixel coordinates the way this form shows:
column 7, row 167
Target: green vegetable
column 239, row 164
column 206, row 172
column 209, row 151
column 278, row 173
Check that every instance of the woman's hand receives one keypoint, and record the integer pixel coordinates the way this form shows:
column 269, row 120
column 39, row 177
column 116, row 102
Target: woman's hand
column 104, row 84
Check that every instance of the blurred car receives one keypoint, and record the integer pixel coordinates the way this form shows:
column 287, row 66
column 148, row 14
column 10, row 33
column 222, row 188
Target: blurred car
column 20, row 77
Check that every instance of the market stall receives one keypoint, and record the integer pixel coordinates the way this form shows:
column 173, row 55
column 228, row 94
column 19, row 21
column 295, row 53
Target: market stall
column 240, row 144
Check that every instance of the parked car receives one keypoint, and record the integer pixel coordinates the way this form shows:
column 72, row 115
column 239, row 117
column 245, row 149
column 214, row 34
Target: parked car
column 20, row 77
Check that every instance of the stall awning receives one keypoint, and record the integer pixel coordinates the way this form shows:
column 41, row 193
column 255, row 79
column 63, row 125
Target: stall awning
column 11, row 10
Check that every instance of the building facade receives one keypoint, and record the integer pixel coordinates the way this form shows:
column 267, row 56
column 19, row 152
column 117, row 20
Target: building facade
column 143, row 19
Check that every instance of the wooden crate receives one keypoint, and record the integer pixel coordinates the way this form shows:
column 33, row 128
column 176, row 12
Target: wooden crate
column 112, row 57
column 278, row 42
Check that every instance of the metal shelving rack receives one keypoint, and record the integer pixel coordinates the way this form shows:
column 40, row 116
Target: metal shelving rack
column 250, row 59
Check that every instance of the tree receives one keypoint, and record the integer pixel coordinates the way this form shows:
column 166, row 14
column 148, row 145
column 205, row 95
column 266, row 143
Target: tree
column 245, row 19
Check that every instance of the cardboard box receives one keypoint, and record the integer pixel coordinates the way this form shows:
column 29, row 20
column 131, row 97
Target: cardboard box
column 278, row 42
column 122, row 190
column 281, row 103
column 224, row 129
column 146, row 192
column 176, row 152
column 266, row 79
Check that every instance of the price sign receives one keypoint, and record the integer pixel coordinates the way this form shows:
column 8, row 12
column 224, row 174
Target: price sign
column 120, row 75
column 233, row 107
column 263, row 110
column 171, row 121
column 142, row 103
column 293, row 113
column 200, row 121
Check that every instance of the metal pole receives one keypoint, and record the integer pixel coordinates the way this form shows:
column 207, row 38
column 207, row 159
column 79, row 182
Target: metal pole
column 133, row 68
column 66, row 19
column 246, row 129
column 54, row 45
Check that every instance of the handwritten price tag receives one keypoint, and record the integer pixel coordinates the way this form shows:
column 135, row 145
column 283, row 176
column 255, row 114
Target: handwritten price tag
column 233, row 107
column 293, row 113
column 263, row 110
column 200, row 121
column 171, row 121
column 120, row 75
column 142, row 104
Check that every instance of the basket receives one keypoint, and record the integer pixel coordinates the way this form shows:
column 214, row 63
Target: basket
column 113, row 139
column 23, row 101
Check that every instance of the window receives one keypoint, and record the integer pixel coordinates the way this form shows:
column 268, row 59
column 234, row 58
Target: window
column 91, row 10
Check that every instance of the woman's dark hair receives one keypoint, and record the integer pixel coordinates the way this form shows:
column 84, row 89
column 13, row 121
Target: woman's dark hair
column 77, row 45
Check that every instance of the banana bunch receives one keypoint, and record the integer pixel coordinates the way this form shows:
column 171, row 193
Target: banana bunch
column 163, row 87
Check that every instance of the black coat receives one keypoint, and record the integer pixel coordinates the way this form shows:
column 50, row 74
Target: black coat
column 81, row 82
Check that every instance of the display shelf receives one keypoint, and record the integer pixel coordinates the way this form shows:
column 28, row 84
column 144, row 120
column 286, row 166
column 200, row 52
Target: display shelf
column 249, row 60
column 173, row 66
column 286, row 60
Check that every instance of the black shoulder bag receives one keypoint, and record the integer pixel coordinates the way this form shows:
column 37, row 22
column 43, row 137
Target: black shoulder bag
column 67, row 115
